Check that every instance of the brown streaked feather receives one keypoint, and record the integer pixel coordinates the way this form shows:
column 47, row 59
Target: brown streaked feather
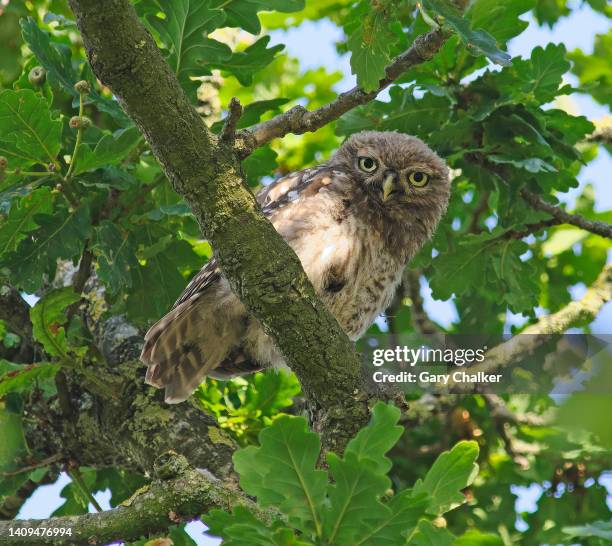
column 208, row 275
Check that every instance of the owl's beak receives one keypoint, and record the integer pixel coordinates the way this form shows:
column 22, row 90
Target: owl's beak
column 388, row 186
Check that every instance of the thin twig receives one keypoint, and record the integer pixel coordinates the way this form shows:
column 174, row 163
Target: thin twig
column 228, row 134
column 79, row 138
column 299, row 120
column 530, row 229
column 599, row 228
column 420, row 319
column 501, row 410
column 481, row 207
column 45, row 462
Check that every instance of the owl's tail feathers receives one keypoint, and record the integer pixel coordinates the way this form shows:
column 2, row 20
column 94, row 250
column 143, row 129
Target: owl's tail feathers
column 175, row 359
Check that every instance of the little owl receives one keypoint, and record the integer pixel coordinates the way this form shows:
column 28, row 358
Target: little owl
column 354, row 222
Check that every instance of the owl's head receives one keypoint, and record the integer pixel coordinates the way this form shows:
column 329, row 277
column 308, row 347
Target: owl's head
column 396, row 170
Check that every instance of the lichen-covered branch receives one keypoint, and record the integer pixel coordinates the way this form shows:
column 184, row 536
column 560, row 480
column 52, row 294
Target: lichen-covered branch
column 263, row 271
column 532, row 337
column 130, row 429
column 299, row 120
column 562, row 217
column 179, row 493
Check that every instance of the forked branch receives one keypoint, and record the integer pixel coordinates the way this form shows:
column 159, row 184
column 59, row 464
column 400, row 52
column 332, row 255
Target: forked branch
column 298, row 120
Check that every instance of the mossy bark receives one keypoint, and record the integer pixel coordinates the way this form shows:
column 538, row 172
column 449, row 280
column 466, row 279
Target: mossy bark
column 173, row 497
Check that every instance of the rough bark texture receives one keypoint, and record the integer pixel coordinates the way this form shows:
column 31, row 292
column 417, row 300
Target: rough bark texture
column 178, row 493
column 128, row 430
column 263, row 271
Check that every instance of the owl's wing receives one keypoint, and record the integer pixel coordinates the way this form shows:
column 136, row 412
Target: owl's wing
column 288, row 188
column 206, row 277
column 270, row 198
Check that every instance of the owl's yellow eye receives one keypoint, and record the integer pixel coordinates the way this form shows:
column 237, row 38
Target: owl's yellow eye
column 367, row 164
column 418, row 179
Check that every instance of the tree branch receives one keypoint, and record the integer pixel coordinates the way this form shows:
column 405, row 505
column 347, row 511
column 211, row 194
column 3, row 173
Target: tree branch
column 262, row 269
column 532, row 337
column 298, row 120
column 228, row 134
column 530, row 229
column 420, row 319
column 130, row 430
column 562, row 217
column 180, row 493
column 602, row 133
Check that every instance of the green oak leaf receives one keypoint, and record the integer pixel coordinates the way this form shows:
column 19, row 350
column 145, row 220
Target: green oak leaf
column 262, row 162
column 360, row 479
column 60, row 236
column 375, row 440
column 161, row 275
column 491, row 257
column 429, row 535
column 241, row 528
column 163, row 256
column 404, row 511
column 452, row 471
column 57, row 60
column 115, row 255
column 282, row 473
column 28, row 133
column 535, row 81
column 403, row 113
column 243, row 13
column 267, row 393
column 353, row 507
column 12, row 449
column 21, row 218
column 594, row 70
column 370, row 45
column 244, row 64
column 500, row 19
column 109, row 150
column 184, row 29
column 19, row 378
column 478, row 42
column 474, row 537
column 48, row 317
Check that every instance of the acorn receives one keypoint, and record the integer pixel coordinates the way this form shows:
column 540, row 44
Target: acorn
column 79, row 122
column 82, row 87
column 37, row 76
column 3, row 163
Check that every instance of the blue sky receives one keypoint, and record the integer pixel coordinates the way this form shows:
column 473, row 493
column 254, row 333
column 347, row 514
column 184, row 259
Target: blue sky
column 313, row 45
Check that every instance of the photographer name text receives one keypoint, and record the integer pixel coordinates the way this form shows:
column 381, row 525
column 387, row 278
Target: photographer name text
column 429, row 377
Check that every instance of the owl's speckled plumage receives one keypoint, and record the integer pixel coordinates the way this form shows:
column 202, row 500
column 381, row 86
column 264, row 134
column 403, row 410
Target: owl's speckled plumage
column 353, row 227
